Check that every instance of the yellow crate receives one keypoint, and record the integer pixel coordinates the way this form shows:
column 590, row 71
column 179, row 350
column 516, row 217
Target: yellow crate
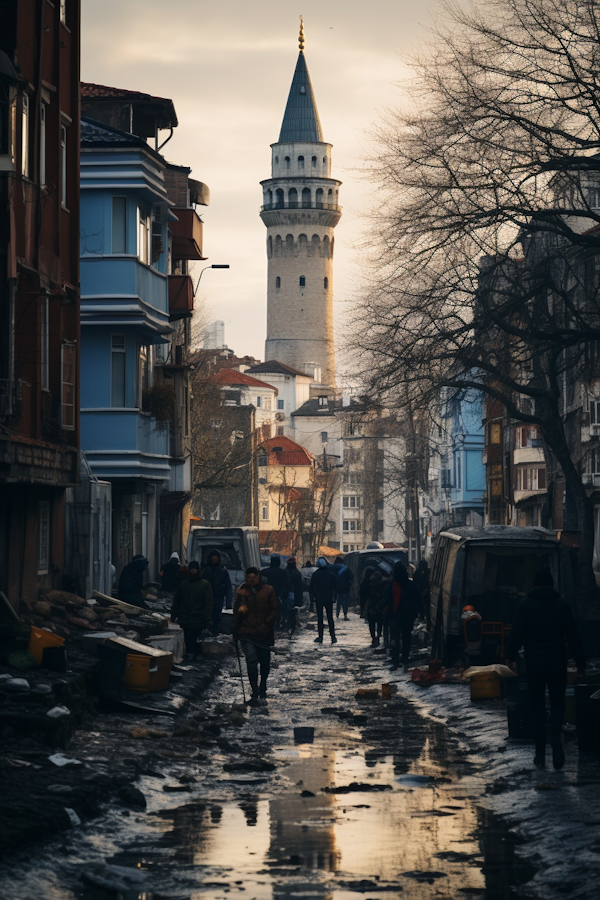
column 485, row 686
column 147, row 673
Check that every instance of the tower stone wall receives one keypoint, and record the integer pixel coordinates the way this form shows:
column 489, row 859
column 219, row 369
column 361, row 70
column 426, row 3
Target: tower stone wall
column 300, row 210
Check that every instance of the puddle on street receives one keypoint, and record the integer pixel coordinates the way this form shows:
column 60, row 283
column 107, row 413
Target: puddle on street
column 422, row 839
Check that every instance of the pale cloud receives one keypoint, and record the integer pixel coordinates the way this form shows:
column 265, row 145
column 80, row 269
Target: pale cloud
column 228, row 68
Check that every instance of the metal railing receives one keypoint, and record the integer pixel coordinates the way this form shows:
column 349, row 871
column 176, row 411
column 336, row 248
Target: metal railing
column 298, row 205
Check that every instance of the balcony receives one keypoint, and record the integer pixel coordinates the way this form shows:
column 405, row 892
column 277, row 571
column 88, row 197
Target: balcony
column 181, row 297
column 187, row 234
column 297, row 204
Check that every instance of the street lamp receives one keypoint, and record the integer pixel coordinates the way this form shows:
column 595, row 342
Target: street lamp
column 215, row 266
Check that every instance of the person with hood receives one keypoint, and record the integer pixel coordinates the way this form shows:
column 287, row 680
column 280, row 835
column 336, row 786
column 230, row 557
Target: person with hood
column 295, row 597
column 322, row 590
column 343, row 586
column 169, row 574
column 544, row 625
column 402, row 605
column 218, row 577
column 192, row 607
column 255, row 611
column 131, row 582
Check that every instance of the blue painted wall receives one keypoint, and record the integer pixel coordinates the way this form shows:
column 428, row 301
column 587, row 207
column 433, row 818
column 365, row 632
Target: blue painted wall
column 468, row 471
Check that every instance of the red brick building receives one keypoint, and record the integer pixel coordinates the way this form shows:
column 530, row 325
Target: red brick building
column 39, row 287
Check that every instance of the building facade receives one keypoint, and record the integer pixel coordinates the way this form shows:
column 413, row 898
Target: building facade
column 300, row 211
column 39, row 289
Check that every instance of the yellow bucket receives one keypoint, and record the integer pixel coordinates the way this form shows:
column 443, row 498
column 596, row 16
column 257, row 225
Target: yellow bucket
column 40, row 639
column 485, row 686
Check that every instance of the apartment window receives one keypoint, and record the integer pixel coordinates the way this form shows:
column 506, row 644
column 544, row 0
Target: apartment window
column 264, row 511
column 42, row 144
column 326, row 282
column 143, row 236
column 346, row 525
column 45, row 344
column 594, row 462
column 594, row 412
column 262, row 458
column 63, row 165
column 278, row 282
column 119, row 224
column 258, row 402
column 281, row 404
column 118, row 358
column 531, row 479
column 323, row 437
column 67, row 365
column 594, row 198
column 322, row 401
column 302, row 281
column 25, row 135
column 43, row 544
column 63, row 11
column 352, row 502
column 525, row 437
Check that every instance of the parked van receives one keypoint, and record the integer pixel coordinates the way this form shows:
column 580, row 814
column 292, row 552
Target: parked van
column 489, row 568
column 238, row 548
column 359, row 560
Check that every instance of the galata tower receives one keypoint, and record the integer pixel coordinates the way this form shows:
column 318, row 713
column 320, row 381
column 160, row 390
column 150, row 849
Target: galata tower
column 300, row 210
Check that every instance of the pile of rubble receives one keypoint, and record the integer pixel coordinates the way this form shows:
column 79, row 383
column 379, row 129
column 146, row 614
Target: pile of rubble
column 67, row 614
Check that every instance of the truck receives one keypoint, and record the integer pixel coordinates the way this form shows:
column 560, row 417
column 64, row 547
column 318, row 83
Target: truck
column 238, row 548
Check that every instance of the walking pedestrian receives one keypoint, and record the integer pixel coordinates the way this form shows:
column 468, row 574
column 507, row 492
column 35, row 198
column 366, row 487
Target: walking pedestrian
column 343, row 586
column 131, row 582
column 169, row 580
column 274, row 575
column 378, row 620
column 218, row 577
column 402, row 605
column 192, row 607
column 255, row 611
column 364, row 591
column 322, row 589
column 370, row 612
column 543, row 626
column 421, row 580
column 295, row 592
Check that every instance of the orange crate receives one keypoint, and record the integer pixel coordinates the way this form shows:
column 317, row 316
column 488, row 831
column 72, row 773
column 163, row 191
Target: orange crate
column 147, row 673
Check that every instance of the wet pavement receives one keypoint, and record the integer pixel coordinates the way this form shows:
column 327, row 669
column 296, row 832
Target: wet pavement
column 389, row 805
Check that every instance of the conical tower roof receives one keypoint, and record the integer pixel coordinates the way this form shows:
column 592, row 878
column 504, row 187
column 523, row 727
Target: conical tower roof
column 301, row 119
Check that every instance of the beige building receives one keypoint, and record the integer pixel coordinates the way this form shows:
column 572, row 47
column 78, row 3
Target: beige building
column 300, row 210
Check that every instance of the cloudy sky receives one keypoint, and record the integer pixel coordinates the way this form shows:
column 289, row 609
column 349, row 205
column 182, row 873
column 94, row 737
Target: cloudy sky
column 228, row 68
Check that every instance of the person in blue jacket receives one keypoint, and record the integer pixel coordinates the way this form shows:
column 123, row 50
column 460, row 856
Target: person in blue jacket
column 345, row 580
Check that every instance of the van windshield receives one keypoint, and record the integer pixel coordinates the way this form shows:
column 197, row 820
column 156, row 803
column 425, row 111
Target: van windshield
column 496, row 578
column 230, row 555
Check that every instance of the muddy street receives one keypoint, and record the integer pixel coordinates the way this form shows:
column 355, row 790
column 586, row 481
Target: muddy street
column 385, row 802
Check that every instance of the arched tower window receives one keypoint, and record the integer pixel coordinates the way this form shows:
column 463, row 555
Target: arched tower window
column 314, row 162
column 326, row 247
column 326, row 282
column 315, row 245
column 276, row 160
column 293, row 198
column 329, row 197
column 300, row 162
column 325, row 165
column 269, row 199
column 269, row 247
column 279, row 198
column 319, row 198
column 302, row 244
column 302, row 281
column 287, row 162
column 278, row 246
column 289, row 245
column 306, row 198
column 278, row 282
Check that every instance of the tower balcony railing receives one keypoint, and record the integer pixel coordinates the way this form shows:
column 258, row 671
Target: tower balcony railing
column 285, row 204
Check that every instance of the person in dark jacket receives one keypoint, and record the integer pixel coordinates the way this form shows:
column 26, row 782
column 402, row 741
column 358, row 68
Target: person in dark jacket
column 376, row 617
column 364, row 591
column 295, row 593
column 131, row 582
column 192, row 607
column 421, row 580
column 274, row 575
column 402, row 605
column 322, row 589
column 543, row 626
column 369, row 607
column 169, row 574
column 218, row 577
column 255, row 612
column 343, row 586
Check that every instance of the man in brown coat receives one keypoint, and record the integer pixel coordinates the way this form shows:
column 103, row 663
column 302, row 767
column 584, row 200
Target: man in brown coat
column 255, row 610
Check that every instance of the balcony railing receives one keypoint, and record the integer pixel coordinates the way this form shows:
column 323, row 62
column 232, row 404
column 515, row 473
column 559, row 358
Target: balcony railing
column 282, row 204
column 187, row 234
column 181, row 296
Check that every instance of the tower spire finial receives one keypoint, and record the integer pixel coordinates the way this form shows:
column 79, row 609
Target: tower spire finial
column 301, row 35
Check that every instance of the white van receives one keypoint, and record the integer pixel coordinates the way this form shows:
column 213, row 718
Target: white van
column 238, row 548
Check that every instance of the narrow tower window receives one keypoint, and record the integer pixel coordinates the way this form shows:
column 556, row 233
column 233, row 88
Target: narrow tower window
column 306, row 198
column 326, row 282
column 302, row 281
column 279, row 198
column 300, row 162
column 287, row 162
column 319, row 198
column 314, row 162
column 276, row 160
column 293, row 198
column 278, row 282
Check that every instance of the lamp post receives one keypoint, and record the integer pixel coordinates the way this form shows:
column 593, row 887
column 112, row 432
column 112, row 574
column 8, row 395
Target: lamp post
column 215, row 266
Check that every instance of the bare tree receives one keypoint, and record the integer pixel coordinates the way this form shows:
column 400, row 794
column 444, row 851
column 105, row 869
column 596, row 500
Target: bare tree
column 484, row 243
